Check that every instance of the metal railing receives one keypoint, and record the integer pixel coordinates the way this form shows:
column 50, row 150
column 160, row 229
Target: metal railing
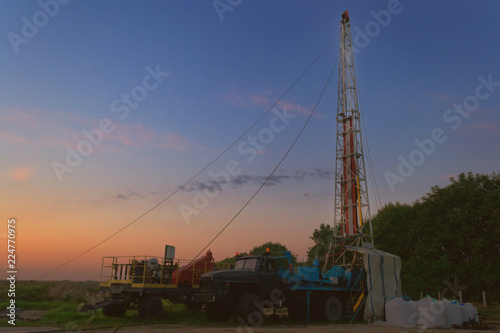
column 144, row 270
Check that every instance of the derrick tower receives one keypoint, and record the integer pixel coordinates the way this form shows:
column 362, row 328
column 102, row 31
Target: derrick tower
column 352, row 211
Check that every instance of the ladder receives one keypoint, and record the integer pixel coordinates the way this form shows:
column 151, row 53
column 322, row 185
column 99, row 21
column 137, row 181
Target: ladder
column 358, row 298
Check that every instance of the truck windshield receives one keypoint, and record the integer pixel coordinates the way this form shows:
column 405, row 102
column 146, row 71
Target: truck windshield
column 246, row 264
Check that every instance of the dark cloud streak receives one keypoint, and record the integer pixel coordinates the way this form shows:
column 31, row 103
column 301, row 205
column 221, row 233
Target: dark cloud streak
column 242, row 180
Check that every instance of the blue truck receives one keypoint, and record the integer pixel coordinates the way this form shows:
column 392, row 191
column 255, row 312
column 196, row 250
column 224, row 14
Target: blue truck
column 258, row 285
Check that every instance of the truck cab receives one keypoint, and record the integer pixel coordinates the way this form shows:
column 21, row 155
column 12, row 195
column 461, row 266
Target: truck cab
column 253, row 282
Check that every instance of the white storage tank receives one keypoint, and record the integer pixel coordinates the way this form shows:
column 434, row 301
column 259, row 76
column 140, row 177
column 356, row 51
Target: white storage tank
column 401, row 313
column 453, row 313
column 469, row 311
column 431, row 313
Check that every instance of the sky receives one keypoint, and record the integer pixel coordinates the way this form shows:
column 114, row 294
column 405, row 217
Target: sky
column 106, row 108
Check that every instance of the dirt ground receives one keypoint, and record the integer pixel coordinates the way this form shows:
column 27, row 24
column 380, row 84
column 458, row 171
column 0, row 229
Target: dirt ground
column 276, row 329
column 286, row 329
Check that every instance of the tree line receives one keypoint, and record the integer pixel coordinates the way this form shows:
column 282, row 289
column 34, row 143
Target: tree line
column 448, row 240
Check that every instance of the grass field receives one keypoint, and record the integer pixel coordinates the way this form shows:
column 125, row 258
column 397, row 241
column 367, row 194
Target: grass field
column 60, row 300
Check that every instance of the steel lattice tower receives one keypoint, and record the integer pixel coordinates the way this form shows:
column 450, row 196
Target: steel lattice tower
column 351, row 194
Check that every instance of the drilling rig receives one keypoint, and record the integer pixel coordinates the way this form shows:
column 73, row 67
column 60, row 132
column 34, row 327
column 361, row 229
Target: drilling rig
column 351, row 194
column 357, row 279
column 352, row 282
column 352, row 218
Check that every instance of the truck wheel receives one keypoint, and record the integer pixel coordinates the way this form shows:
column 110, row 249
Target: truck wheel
column 151, row 307
column 218, row 312
column 332, row 309
column 116, row 309
column 249, row 310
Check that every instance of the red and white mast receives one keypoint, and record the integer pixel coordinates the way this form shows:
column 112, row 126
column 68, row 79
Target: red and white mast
column 351, row 195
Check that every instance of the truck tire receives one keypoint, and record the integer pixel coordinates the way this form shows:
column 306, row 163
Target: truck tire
column 248, row 310
column 332, row 309
column 151, row 307
column 218, row 312
column 116, row 309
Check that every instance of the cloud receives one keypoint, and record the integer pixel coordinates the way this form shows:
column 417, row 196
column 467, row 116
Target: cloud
column 321, row 174
column 138, row 135
column 29, row 127
column 20, row 174
column 12, row 137
column 243, row 180
column 235, row 98
column 239, row 181
column 484, row 126
column 260, row 100
column 218, row 185
column 17, row 116
column 210, row 186
column 128, row 195
column 296, row 108
column 264, row 100
column 58, row 129
column 235, row 182
column 123, row 195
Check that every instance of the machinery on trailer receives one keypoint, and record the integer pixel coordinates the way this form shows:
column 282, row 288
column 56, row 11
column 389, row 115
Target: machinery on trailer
column 355, row 276
column 141, row 282
column 261, row 281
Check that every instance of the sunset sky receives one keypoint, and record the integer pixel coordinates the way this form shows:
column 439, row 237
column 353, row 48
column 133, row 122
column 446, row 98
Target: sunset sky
column 108, row 107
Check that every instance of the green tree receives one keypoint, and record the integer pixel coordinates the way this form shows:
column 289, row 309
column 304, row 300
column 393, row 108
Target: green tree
column 321, row 238
column 392, row 228
column 276, row 250
column 451, row 232
column 231, row 260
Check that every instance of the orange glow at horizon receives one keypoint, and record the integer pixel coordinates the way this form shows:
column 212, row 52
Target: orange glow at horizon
column 47, row 238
